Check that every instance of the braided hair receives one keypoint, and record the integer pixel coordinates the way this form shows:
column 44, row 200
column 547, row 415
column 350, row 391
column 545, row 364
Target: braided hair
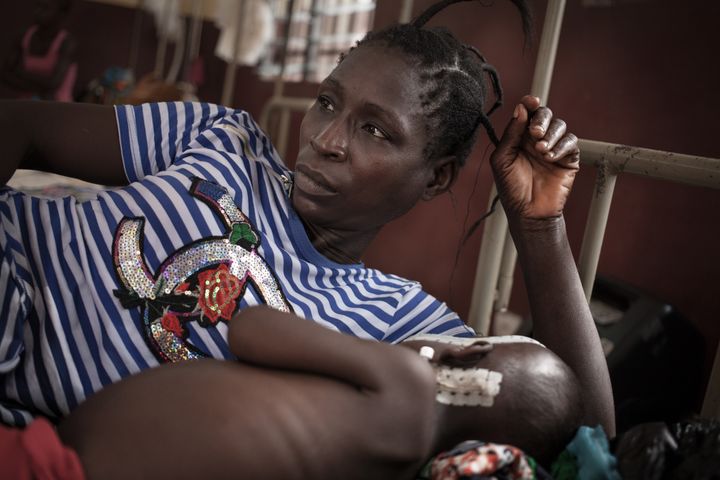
column 455, row 79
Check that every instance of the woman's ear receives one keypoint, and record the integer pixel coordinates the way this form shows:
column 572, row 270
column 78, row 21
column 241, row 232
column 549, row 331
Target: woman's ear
column 444, row 173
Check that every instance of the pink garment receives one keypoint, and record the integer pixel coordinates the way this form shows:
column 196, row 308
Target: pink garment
column 45, row 65
column 36, row 453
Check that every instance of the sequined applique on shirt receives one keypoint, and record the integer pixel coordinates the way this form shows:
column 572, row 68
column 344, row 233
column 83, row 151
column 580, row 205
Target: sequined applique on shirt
column 202, row 282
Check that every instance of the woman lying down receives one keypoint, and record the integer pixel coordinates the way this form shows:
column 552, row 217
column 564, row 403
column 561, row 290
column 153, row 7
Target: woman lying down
column 307, row 403
column 208, row 221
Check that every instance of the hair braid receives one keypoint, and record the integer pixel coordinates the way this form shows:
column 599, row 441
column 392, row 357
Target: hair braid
column 456, row 81
column 434, row 9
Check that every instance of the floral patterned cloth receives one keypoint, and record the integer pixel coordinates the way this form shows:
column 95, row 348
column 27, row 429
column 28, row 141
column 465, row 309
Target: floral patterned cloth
column 474, row 460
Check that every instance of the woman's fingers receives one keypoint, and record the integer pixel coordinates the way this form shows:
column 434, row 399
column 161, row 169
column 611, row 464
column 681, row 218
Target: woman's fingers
column 565, row 151
column 546, row 132
column 554, row 133
column 540, row 123
column 530, row 102
column 549, row 136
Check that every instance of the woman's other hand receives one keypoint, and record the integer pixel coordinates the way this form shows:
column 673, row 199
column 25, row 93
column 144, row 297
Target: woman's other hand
column 535, row 163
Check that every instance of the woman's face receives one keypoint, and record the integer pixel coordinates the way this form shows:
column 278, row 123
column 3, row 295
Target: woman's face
column 361, row 159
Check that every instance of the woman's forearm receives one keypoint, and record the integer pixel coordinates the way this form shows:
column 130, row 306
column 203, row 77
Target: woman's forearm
column 269, row 338
column 560, row 312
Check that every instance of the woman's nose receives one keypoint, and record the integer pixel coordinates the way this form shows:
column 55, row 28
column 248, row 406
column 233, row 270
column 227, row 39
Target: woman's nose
column 331, row 141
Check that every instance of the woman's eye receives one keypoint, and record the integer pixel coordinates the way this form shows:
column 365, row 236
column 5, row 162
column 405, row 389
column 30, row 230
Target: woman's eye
column 375, row 131
column 325, row 103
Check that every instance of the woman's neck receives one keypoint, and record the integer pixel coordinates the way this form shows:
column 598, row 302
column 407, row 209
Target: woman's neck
column 339, row 246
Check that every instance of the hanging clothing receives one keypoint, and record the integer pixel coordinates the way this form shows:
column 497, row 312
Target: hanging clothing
column 46, row 64
column 317, row 33
column 168, row 22
column 254, row 19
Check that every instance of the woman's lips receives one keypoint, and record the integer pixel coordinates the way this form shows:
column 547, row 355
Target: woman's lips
column 312, row 182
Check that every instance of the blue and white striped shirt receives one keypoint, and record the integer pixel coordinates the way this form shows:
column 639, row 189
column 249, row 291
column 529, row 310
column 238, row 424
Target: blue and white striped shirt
column 92, row 292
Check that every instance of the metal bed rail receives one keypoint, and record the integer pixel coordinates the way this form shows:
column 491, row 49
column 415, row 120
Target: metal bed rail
column 282, row 106
column 611, row 160
column 497, row 258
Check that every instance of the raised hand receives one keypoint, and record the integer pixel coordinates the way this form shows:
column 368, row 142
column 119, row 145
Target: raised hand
column 535, row 163
column 534, row 166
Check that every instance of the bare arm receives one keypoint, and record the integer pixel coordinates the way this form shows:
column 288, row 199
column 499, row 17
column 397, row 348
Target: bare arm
column 561, row 316
column 400, row 384
column 191, row 420
column 73, row 139
column 533, row 187
column 270, row 338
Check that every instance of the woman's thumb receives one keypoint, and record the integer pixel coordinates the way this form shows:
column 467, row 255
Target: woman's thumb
column 513, row 134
